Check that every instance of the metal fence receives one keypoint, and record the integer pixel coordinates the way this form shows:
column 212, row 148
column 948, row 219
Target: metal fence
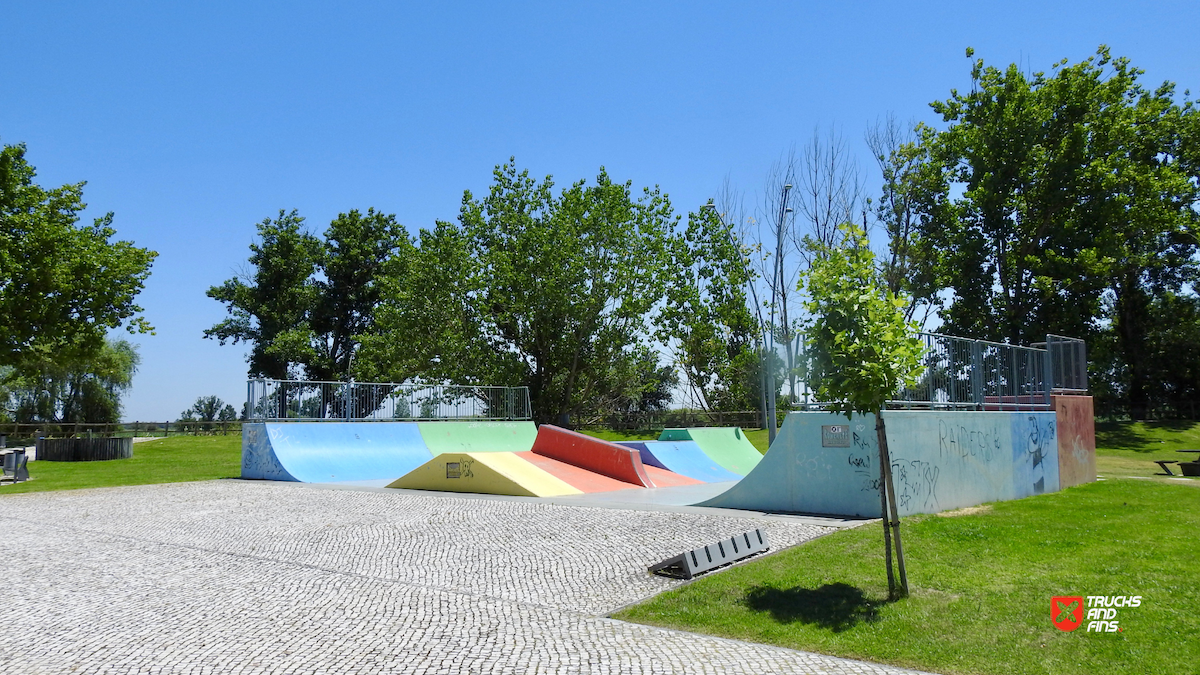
column 1068, row 361
column 303, row 400
column 965, row 373
column 982, row 375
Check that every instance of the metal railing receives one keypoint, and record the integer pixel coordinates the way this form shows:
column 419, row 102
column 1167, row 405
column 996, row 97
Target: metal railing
column 982, row 375
column 965, row 373
column 303, row 400
column 1068, row 362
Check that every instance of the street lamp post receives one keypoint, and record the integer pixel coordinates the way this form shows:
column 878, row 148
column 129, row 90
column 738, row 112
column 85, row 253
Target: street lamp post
column 778, row 280
column 764, row 361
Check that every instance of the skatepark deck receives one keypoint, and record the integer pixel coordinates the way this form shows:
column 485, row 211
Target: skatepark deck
column 477, row 436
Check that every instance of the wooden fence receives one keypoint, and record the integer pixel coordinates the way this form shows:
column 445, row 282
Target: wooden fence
column 83, row 449
column 20, row 433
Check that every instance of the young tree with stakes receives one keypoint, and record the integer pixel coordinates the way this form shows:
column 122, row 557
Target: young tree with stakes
column 864, row 351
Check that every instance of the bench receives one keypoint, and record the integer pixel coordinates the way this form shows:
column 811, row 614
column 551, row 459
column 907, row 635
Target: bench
column 1163, row 464
column 1191, row 468
column 15, row 466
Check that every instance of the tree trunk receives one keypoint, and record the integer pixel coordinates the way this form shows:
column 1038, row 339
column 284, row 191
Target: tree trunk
column 1131, row 318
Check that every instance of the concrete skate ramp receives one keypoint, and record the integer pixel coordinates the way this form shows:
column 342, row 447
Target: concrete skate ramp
column 593, row 454
column 664, row 479
column 681, row 457
column 328, row 452
column 822, row 463
column 727, row 446
column 477, row 436
column 1076, row 440
column 584, row 481
column 494, row 473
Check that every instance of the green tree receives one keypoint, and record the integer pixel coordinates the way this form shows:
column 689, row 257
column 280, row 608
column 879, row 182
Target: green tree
column 63, row 286
column 1064, row 203
column 554, row 292
column 429, row 325
column 72, row 386
column 862, row 349
column 706, row 318
column 274, row 298
column 207, row 410
column 309, row 301
column 909, row 266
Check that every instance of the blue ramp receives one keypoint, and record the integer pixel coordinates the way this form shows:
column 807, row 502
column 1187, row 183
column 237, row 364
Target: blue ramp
column 332, row 452
column 682, row 457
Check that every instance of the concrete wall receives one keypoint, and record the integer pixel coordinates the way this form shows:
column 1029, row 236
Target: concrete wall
column 823, row 463
column 1076, row 440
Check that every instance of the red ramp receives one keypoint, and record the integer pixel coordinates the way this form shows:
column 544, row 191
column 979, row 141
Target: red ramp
column 593, row 454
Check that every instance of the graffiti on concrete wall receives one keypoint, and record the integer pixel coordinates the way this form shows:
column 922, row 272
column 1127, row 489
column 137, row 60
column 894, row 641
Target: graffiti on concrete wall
column 1035, row 444
column 1076, row 440
column 864, row 447
column 915, row 483
column 980, row 440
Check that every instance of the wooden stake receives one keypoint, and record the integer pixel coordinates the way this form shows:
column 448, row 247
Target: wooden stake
column 891, row 493
column 884, row 514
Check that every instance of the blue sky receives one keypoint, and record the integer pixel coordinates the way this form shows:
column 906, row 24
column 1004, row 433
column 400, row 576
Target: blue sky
column 193, row 121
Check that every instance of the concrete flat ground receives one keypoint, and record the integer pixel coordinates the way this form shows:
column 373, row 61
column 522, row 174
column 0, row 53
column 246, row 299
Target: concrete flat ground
column 258, row 577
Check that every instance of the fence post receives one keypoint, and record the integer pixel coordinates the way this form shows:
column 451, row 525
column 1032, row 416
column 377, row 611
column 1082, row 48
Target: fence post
column 977, row 373
column 1048, row 370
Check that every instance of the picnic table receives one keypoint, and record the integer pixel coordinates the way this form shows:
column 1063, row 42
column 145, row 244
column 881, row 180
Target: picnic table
column 1191, row 468
column 1186, row 468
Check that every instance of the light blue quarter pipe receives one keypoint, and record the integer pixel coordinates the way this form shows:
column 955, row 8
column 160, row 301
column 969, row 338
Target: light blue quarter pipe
column 827, row 464
column 331, row 452
column 682, row 457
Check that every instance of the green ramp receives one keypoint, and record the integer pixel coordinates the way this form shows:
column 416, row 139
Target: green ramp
column 727, row 446
column 442, row 437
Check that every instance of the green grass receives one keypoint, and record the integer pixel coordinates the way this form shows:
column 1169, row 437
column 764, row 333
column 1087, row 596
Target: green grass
column 1130, row 448
column 981, row 585
column 757, row 437
column 170, row 460
column 614, row 436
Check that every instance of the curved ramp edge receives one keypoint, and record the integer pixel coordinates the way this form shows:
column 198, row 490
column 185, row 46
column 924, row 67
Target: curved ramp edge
column 258, row 458
column 685, row 458
column 329, row 452
column 797, row 475
column 727, row 446
column 494, row 473
column 593, row 454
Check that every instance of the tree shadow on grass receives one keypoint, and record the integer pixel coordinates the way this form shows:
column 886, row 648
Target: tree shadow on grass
column 836, row 607
column 1121, row 436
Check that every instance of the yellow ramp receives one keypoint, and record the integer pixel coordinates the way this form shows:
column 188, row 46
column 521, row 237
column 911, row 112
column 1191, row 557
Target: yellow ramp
column 492, row 473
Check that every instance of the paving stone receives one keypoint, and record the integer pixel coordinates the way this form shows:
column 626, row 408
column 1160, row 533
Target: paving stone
column 231, row 576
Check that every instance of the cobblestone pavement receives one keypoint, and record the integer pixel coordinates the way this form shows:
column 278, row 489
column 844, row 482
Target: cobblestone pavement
column 238, row 577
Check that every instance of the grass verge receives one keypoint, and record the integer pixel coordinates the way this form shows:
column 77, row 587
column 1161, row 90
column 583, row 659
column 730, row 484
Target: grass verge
column 170, row 460
column 757, row 437
column 982, row 584
column 1130, row 448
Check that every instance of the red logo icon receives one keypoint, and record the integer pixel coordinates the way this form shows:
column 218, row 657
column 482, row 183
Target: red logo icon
column 1066, row 612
